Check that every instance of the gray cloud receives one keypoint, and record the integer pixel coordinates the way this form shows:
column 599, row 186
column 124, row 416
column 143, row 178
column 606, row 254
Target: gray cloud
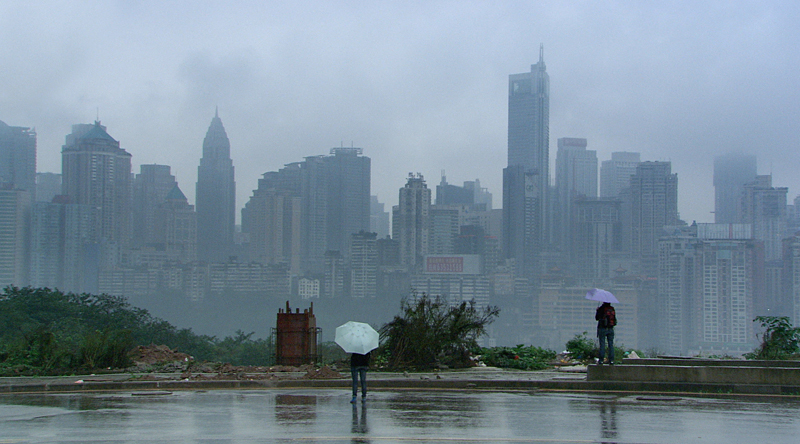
column 420, row 86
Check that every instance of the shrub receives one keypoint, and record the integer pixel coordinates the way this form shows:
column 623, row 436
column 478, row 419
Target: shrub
column 779, row 341
column 518, row 357
column 430, row 332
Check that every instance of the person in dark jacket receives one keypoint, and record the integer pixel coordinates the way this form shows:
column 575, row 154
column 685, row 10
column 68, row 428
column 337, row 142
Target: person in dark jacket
column 606, row 318
column 359, row 364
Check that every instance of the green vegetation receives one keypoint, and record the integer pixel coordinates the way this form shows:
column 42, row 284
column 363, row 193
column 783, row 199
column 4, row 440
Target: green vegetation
column 519, row 357
column 780, row 339
column 45, row 332
column 582, row 348
column 430, row 333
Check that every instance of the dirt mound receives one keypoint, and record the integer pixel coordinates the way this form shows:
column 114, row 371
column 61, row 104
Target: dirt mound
column 322, row 373
column 157, row 354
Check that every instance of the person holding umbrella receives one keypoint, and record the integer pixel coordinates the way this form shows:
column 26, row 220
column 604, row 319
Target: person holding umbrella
column 359, row 339
column 606, row 318
column 359, row 364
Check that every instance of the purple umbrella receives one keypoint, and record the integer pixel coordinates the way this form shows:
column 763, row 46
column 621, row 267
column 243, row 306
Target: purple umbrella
column 600, row 295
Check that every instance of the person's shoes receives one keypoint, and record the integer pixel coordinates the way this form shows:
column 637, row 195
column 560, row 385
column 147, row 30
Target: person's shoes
column 353, row 401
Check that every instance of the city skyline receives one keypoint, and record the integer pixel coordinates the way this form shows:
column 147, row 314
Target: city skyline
column 638, row 78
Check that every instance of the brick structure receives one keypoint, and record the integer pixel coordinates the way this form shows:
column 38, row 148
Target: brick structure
column 296, row 336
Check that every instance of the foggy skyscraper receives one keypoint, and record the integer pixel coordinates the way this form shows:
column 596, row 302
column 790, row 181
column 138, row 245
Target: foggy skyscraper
column 731, row 172
column 150, row 188
column 526, row 181
column 576, row 175
column 97, row 172
column 18, row 158
column 216, row 196
column 615, row 174
column 653, row 204
column 411, row 221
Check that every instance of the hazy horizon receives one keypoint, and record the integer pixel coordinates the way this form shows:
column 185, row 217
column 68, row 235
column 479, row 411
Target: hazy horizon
column 421, row 87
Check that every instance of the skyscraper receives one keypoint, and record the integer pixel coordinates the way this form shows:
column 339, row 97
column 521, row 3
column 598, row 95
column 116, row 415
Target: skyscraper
column 150, row 188
column 615, row 174
column 653, row 200
column 216, row 196
column 15, row 213
column 764, row 207
column 18, row 158
column 97, row 172
column 731, row 172
column 526, row 181
column 411, row 221
column 576, row 176
column 529, row 119
column 175, row 226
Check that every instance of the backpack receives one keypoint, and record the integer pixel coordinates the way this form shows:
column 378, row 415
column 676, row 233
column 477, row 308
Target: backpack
column 609, row 318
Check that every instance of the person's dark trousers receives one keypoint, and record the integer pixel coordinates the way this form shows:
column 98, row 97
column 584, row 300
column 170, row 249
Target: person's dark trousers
column 606, row 338
column 359, row 372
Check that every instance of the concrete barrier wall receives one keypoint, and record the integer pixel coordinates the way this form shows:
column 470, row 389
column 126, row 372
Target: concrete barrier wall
column 710, row 362
column 696, row 374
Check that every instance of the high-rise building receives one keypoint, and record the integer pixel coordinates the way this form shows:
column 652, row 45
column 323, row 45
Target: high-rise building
column 97, row 172
column 175, row 226
column 526, row 180
column 348, row 196
column 597, row 234
column 764, row 207
column 707, row 285
column 216, row 196
column 150, row 188
column 63, row 253
column 15, row 213
column 576, row 176
column 48, row 186
column 615, row 174
column 272, row 219
column 523, row 224
column 411, row 221
column 731, row 172
column 529, row 120
column 444, row 229
column 363, row 265
column 379, row 219
column 653, row 204
column 18, row 158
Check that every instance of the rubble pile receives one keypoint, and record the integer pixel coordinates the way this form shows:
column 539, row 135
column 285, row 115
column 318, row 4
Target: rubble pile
column 322, row 373
column 157, row 354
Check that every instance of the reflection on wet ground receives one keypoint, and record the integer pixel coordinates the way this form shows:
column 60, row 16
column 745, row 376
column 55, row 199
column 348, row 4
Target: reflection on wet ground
column 326, row 416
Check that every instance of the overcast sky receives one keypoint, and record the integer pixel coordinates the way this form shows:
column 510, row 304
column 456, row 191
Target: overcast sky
column 420, row 86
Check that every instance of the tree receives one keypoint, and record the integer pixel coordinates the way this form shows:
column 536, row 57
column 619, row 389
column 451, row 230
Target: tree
column 780, row 339
column 429, row 332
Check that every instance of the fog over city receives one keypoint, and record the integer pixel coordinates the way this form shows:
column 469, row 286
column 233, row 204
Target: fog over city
column 420, row 86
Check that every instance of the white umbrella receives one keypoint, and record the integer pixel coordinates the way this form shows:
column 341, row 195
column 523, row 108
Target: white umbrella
column 356, row 337
column 600, row 295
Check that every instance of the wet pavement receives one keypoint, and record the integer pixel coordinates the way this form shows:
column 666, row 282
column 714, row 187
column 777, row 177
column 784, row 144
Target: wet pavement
column 419, row 416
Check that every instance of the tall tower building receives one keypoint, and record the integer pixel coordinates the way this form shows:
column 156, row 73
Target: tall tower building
column 526, row 181
column 175, row 226
column 653, row 201
column 731, row 172
column 97, row 172
column 529, row 119
column 15, row 213
column 411, row 221
column 576, row 176
column 615, row 174
column 18, row 158
column 764, row 207
column 706, row 290
column 150, row 188
column 216, row 196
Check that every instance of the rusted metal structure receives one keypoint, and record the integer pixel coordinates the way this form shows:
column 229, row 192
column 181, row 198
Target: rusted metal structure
column 296, row 336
